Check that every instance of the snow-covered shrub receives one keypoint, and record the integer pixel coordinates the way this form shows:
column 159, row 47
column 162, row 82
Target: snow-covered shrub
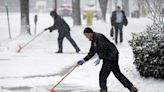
column 148, row 50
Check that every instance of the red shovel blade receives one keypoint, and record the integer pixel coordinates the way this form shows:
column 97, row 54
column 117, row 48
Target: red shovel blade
column 52, row 90
column 19, row 48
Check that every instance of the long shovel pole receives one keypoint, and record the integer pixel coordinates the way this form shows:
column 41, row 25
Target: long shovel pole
column 21, row 47
column 53, row 88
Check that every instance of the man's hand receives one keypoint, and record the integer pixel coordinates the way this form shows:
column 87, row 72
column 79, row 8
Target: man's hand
column 97, row 61
column 126, row 23
column 80, row 62
column 46, row 29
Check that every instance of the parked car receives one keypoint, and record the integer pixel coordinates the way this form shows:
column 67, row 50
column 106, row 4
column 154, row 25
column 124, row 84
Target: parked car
column 65, row 10
column 95, row 10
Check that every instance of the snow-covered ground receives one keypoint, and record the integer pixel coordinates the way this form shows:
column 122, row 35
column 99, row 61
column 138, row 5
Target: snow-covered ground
column 37, row 68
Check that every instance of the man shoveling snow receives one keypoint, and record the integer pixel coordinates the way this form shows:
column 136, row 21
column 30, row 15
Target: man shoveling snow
column 109, row 53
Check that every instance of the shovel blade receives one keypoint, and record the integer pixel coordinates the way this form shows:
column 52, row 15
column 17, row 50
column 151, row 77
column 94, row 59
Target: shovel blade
column 52, row 90
column 19, row 48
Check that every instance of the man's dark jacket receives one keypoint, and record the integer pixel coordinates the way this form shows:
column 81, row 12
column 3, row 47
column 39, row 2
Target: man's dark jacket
column 59, row 24
column 113, row 18
column 103, row 47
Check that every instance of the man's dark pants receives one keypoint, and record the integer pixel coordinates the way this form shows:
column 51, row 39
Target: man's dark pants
column 118, row 29
column 68, row 36
column 107, row 67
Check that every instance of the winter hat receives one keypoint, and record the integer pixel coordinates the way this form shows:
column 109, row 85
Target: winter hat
column 53, row 13
column 88, row 30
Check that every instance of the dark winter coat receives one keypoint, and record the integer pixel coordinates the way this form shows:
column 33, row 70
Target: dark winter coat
column 113, row 18
column 59, row 24
column 103, row 47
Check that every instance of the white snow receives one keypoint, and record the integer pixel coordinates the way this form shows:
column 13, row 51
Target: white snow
column 38, row 67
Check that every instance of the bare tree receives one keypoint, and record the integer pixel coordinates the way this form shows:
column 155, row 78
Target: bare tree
column 76, row 12
column 25, row 25
column 155, row 10
column 125, row 6
column 140, row 6
column 103, row 6
column 55, row 5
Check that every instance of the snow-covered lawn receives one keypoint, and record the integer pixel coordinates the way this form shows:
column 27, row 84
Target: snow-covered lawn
column 37, row 67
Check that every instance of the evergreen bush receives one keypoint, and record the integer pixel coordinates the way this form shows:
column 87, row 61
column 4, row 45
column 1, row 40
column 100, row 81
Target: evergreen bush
column 148, row 50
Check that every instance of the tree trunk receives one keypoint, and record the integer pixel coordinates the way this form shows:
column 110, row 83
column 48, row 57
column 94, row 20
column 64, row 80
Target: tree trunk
column 125, row 6
column 139, row 6
column 55, row 5
column 76, row 12
column 25, row 25
column 103, row 6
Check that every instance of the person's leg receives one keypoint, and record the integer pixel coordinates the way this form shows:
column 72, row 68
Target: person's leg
column 116, row 71
column 60, row 43
column 103, row 75
column 68, row 36
column 121, row 32
column 121, row 36
column 116, row 34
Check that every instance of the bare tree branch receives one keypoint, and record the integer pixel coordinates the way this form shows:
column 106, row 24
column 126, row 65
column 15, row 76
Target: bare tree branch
column 154, row 9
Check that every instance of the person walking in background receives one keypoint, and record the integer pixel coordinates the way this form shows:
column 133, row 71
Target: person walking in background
column 63, row 30
column 108, row 52
column 118, row 19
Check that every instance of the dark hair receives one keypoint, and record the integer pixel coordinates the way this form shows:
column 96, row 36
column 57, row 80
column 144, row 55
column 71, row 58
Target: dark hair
column 88, row 30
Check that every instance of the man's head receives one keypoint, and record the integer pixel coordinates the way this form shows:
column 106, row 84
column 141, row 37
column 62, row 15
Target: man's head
column 88, row 32
column 118, row 8
column 53, row 14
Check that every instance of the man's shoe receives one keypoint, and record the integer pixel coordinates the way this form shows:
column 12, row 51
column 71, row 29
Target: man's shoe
column 103, row 90
column 59, row 52
column 133, row 89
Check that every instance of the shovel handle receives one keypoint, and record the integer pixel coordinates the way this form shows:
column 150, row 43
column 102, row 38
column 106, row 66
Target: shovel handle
column 65, row 76
column 32, row 39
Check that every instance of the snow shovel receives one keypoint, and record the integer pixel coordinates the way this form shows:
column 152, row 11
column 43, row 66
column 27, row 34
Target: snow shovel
column 21, row 47
column 53, row 88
